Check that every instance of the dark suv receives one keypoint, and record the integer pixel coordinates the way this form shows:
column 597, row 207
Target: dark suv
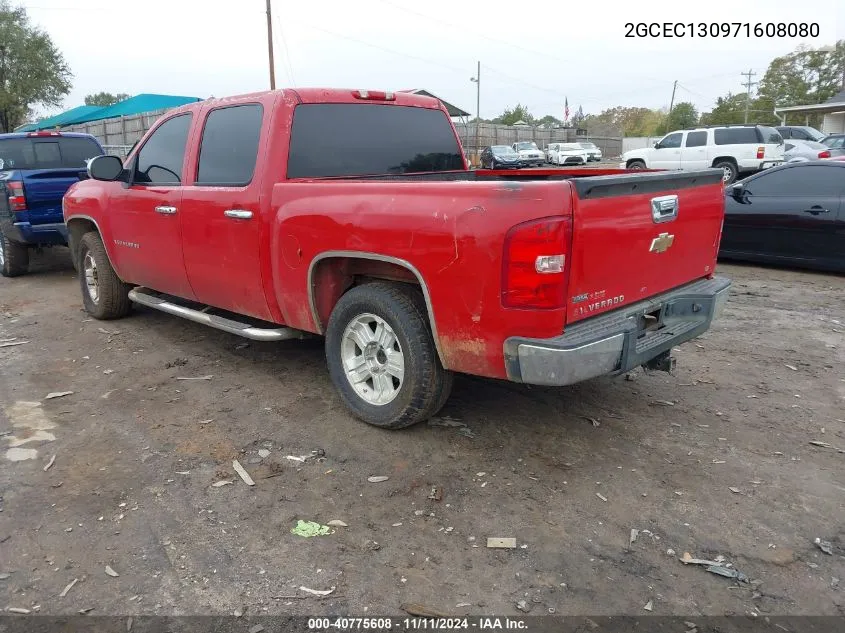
column 36, row 169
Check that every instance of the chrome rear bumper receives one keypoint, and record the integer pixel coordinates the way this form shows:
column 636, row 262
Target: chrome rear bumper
column 620, row 340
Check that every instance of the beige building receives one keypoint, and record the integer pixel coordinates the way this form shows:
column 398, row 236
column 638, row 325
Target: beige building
column 833, row 111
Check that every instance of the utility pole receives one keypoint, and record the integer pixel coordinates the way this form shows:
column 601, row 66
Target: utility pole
column 748, row 83
column 270, row 46
column 671, row 105
column 477, row 80
column 3, row 119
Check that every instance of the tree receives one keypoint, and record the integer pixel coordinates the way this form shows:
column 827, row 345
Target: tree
column 104, row 99
column 578, row 118
column 32, row 70
column 628, row 121
column 683, row 115
column 802, row 77
column 512, row 115
column 549, row 121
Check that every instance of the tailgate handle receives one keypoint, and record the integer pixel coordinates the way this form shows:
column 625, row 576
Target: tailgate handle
column 664, row 208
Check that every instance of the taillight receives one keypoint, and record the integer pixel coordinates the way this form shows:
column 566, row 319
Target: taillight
column 761, row 152
column 17, row 198
column 534, row 264
column 824, row 154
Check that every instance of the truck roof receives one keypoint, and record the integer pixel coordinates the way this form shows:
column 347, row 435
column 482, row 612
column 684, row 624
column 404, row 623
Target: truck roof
column 330, row 95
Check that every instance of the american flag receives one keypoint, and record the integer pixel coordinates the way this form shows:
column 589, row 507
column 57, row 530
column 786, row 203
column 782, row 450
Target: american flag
column 566, row 110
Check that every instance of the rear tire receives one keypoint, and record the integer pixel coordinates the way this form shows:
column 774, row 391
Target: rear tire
column 729, row 170
column 104, row 295
column 14, row 257
column 382, row 358
column 636, row 164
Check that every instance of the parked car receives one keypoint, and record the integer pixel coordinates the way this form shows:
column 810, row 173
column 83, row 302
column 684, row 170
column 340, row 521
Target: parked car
column 593, row 150
column 567, row 154
column 529, row 153
column 735, row 149
column 793, row 214
column 800, row 132
column 796, row 151
column 36, row 169
column 352, row 214
column 834, row 141
column 500, row 157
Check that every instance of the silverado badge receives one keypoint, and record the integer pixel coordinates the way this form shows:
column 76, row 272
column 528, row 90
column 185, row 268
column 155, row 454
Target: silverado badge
column 661, row 243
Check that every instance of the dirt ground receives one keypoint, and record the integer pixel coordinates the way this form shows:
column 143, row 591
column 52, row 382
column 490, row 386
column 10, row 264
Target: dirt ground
column 714, row 460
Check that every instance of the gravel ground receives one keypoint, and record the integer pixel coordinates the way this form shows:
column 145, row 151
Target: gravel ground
column 714, row 460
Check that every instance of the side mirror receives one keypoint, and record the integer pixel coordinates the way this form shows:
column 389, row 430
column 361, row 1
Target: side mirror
column 107, row 168
column 738, row 191
column 657, row 145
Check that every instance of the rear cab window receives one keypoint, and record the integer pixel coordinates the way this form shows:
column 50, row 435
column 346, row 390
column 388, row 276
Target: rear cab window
column 331, row 140
column 48, row 152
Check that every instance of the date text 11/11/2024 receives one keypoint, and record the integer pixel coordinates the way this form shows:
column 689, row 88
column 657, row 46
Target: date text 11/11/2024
column 493, row 623
column 721, row 29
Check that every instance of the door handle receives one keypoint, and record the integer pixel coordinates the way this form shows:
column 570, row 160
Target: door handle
column 164, row 210
column 816, row 210
column 238, row 214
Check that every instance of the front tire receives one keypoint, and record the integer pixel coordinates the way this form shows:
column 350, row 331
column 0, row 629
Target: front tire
column 382, row 358
column 636, row 164
column 104, row 295
column 14, row 257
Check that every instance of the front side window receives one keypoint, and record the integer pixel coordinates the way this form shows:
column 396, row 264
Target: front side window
column 229, row 146
column 671, row 141
column 161, row 157
column 338, row 139
column 801, row 181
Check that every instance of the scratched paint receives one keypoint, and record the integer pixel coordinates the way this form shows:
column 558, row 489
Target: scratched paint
column 31, row 425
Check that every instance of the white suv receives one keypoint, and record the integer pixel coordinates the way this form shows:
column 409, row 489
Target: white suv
column 736, row 149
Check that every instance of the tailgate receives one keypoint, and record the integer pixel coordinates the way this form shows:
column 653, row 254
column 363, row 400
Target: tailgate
column 635, row 236
column 44, row 189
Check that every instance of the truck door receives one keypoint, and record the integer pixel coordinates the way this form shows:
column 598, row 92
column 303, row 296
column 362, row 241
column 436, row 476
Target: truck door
column 221, row 220
column 693, row 152
column 144, row 217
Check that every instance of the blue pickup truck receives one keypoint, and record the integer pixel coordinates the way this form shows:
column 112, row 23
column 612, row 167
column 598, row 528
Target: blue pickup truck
column 36, row 169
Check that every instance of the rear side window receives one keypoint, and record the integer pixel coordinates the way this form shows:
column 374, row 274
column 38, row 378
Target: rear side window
column 736, row 135
column 696, row 139
column 771, row 135
column 160, row 158
column 230, row 145
column 47, row 152
column 368, row 139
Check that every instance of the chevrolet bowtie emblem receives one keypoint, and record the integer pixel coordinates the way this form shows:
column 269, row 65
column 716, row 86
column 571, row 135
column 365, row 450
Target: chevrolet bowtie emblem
column 661, row 243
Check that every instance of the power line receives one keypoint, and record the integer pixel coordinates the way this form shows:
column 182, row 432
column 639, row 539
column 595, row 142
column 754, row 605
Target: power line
column 287, row 61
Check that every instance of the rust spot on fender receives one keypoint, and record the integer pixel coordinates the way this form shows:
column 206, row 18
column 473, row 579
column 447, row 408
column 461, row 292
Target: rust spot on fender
column 468, row 355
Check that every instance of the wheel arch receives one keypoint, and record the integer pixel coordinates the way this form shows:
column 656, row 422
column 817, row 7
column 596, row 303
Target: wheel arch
column 338, row 271
column 729, row 159
column 77, row 226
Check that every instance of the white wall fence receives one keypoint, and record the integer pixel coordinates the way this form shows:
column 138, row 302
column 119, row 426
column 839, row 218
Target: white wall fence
column 638, row 142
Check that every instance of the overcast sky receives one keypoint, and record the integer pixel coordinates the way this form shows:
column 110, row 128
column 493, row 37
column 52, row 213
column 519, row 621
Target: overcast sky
column 537, row 52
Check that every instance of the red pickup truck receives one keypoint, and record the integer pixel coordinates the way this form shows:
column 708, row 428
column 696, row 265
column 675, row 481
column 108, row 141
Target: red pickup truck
column 352, row 214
